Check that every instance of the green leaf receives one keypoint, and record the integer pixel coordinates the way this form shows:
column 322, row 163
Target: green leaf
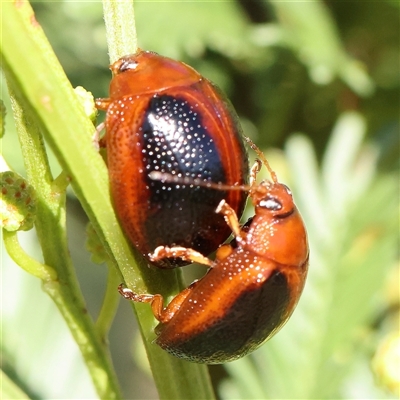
column 218, row 25
column 310, row 30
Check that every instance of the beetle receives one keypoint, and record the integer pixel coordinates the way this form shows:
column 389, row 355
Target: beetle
column 249, row 291
column 164, row 116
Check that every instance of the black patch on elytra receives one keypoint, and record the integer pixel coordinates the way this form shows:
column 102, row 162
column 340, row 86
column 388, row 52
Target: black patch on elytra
column 176, row 141
column 254, row 316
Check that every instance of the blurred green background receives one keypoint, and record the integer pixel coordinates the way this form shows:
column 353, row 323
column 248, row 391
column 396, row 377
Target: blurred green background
column 316, row 85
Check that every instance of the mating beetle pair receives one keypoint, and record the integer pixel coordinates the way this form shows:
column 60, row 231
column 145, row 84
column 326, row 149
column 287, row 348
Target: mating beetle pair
column 178, row 175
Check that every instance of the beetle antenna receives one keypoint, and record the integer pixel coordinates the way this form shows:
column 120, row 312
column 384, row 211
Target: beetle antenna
column 187, row 180
column 262, row 158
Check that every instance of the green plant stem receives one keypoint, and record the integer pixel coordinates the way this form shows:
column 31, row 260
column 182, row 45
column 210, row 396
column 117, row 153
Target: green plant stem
column 60, row 183
column 119, row 18
column 26, row 262
column 110, row 303
column 9, row 389
column 50, row 220
column 44, row 90
column 174, row 378
column 65, row 290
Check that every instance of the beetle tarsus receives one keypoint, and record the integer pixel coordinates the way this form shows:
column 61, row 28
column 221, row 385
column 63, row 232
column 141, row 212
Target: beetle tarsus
column 179, row 252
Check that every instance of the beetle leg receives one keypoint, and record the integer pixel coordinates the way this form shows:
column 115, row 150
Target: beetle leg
column 255, row 169
column 230, row 217
column 179, row 252
column 97, row 142
column 156, row 300
column 223, row 252
column 102, row 104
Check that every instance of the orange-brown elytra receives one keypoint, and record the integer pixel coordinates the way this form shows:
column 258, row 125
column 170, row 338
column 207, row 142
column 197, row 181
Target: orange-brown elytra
column 164, row 116
column 250, row 290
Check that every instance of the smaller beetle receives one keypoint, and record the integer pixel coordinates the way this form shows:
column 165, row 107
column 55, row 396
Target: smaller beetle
column 250, row 290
